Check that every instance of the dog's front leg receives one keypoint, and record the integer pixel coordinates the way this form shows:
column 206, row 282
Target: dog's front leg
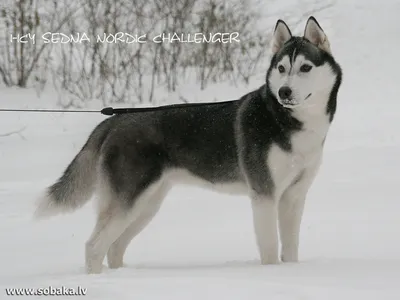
column 254, row 166
column 291, row 206
column 290, row 214
column 266, row 229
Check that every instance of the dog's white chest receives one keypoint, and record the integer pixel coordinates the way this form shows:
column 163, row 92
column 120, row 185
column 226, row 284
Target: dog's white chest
column 305, row 156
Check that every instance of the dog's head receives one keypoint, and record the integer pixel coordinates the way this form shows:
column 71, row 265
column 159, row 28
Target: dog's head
column 302, row 69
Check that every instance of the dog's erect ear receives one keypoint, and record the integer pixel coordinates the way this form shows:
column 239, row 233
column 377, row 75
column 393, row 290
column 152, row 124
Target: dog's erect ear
column 314, row 33
column 281, row 35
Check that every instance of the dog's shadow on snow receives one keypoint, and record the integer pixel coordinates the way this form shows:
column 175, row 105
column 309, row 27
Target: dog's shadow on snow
column 189, row 265
column 148, row 268
column 235, row 264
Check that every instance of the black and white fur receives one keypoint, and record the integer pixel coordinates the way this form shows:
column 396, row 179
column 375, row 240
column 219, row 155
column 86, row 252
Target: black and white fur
column 268, row 144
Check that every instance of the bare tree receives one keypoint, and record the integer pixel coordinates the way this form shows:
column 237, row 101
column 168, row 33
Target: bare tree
column 24, row 58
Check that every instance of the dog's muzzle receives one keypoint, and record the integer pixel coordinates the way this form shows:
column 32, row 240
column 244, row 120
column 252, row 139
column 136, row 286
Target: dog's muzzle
column 285, row 94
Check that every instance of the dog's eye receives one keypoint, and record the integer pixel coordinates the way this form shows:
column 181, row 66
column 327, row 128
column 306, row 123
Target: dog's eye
column 305, row 68
column 281, row 69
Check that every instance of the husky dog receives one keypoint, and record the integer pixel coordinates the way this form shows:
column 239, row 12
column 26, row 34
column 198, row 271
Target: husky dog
column 268, row 145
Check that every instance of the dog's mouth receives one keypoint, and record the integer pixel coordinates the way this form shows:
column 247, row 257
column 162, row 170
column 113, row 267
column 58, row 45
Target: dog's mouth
column 290, row 103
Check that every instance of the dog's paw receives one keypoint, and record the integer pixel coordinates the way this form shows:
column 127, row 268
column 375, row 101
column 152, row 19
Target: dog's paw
column 95, row 269
column 289, row 258
column 270, row 261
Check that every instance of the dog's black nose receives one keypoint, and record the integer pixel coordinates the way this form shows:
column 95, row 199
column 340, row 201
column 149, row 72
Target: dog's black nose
column 285, row 92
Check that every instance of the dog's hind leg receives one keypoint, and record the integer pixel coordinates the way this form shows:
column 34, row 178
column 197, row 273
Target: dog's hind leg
column 113, row 218
column 132, row 167
column 151, row 204
column 111, row 222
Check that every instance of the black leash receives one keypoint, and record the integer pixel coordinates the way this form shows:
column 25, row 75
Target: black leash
column 109, row 111
column 47, row 110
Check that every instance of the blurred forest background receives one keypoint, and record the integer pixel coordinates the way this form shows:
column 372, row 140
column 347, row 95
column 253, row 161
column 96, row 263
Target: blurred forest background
column 136, row 72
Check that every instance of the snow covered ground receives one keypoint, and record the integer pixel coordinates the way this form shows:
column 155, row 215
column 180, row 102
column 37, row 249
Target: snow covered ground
column 201, row 245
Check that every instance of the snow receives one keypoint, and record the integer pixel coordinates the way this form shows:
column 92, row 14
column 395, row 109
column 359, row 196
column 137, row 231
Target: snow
column 201, row 245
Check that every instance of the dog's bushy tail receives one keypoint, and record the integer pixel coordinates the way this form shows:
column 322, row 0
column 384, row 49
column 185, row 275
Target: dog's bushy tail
column 76, row 185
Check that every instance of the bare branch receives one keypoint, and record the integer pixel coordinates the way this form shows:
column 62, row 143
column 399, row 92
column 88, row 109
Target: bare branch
column 16, row 132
